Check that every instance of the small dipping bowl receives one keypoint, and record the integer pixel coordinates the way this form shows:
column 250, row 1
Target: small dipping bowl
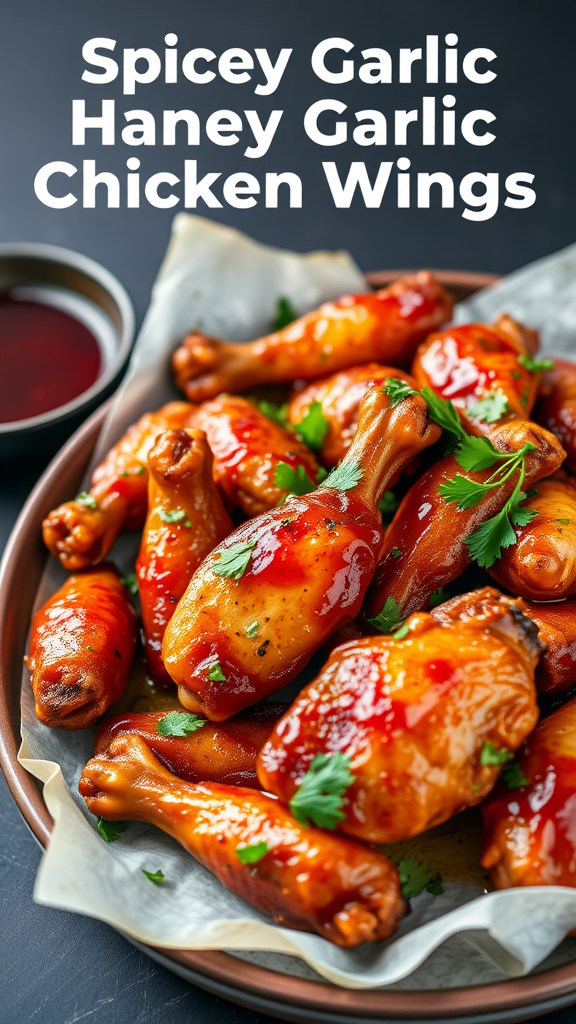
column 51, row 381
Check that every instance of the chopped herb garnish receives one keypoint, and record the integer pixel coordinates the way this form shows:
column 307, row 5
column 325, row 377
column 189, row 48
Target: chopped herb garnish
column 215, row 673
column 395, row 553
column 524, row 397
column 130, row 582
column 252, row 629
column 179, row 723
column 563, row 522
column 415, row 877
column 438, row 597
column 514, row 776
column 85, row 498
column 344, row 477
column 444, row 413
column 535, row 365
column 320, row 795
column 491, row 757
column 397, row 390
column 296, row 481
column 313, row 428
column 277, row 413
column 389, row 618
column 90, row 648
column 401, row 633
column 140, row 470
column 174, row 515
column 153, row 876
column 110, row 830
column 286, row 522
column 516, row 375
column 388, row 504
column 285, row 314
column 233, row 561
column 252, row 854
column 489, row 409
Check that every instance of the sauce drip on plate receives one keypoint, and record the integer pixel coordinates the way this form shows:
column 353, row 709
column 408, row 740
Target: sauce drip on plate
column 47, row 358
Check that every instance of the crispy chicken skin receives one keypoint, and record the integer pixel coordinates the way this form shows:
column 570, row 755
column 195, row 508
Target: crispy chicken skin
column 413, row 716
column 467, row 364
column 556, row 406
column 247, row 448
column 385, row 325
column 308, row 879
column 529, row 835
column 225, row 752
column 234, row 639
column 541, row 565
column 80, row 533
column 556, row 621
column 186, row 520
column 340, row 396
column 81, row 648
column 431, row 533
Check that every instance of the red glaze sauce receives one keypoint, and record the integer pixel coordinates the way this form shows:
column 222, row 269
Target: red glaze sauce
column 456, row 368
column 47, row 358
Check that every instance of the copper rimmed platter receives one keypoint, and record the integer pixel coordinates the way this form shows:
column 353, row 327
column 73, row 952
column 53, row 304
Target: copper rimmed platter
column 256, row 987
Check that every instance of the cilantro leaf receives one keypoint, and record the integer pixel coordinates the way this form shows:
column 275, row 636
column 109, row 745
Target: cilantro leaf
column 522, row 516
column 313, row 428
column 251, row 629
column 285, row 314
column 252, row 854
column 397, row 390
column 415, row 877
column 388, row 504
column 233, row 561
column 277, row 413
column 296, row 481
column 443, row 413
column 87, row 499
column 514, row 776
column 389, row 618
column 174, row 515
column 110, row 830
column 489, row 409
column 344, row 477
column 179, row 723
column 436, row 598
column 395, row 553
column 486, row 543
column 401, row 633
column 463, row 490
column 475, row 453
column 563, row 522
column 153, row 876
column 490, row 756
column 130, row 582
column 320, row 795
column 215, row 673
column 535, row 365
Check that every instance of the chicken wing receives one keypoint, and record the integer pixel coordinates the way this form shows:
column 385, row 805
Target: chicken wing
column 303, row 877
column 529, row 835
column 556, row 407
column 385, row 325
column 415, row 714
column 425, row 546
column 186, row 520
column 275, row 589
column 556, row 621
column 247, row 448
column 83, row 531
column 541, row 565
column 470, row 364
column 81, row 648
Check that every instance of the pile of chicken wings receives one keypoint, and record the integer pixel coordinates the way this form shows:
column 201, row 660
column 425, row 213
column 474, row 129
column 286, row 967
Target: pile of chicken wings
column 336, row 525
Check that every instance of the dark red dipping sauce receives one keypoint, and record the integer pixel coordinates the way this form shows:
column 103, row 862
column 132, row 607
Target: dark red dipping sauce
column 47, row 358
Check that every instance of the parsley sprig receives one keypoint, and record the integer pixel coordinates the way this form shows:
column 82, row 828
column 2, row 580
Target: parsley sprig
column 389, row 618
column 320, row 795
column 344, row 477
column 313, row 428
column 252, row 854
column 489, row 409
column 415, row 877
column 295, row 481
column 153, row 876
column 110, row 830
column 87, row 499
column 397, row 390
column 535, row 365
column 179, row 723
column 285, row 314
column 277, row 413
column 232, row 562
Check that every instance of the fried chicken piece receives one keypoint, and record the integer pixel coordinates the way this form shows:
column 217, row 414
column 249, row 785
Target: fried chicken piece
column 475, row 362
column 186, row 520
column 82, row 532
column 247, row 448
column 385, row 325
column 425, row 546
column 414, row 714
column 303, row 877
column 81, row 648
column 556, row 623
column 556, row 407
column 275, row 589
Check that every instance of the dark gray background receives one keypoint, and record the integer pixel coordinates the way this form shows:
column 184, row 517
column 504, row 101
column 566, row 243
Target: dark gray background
column 58, row 968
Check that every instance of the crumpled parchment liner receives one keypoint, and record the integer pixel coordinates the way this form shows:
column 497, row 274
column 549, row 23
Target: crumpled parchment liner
column 217, row 280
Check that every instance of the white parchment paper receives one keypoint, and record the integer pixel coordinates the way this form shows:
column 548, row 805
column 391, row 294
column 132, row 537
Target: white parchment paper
column 222, row 282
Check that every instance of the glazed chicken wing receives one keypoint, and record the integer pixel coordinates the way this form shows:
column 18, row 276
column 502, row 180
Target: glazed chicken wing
column 470, row 364
column 556, row 408
column 81, row 648
column 541, row 565
column 83, row 531
column 186, row 520
column 247, row 448
column 302, row 877
column 556, row 621
column 414, row 713
column 385, row 325
column 275, row 589
column 340, row 396
column 224, row 752
column 529, row 835
column 425, row 546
